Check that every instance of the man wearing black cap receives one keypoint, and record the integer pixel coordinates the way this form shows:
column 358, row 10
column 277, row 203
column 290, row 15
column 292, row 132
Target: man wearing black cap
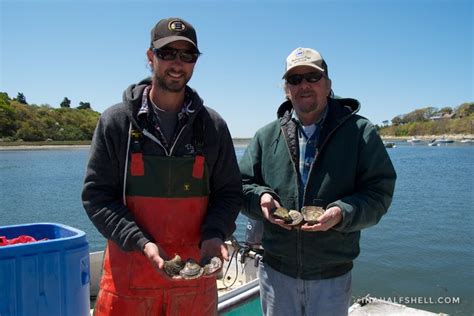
column 162, row 181
column 318, row 153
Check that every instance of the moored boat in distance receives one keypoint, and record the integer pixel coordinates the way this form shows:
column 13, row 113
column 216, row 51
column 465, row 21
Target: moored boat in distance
column 413, row 140
column 389, row 144
column 439, row 141
column 444, row 140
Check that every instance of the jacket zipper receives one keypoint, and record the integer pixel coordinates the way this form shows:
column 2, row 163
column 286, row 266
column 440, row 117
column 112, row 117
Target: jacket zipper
column 319, row 151
column 299, row 260
column 168, row 154
column 124, row 189
column 153, row 138
column 177, row 138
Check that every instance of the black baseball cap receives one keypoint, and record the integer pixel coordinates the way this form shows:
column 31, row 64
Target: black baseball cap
column 171, row 30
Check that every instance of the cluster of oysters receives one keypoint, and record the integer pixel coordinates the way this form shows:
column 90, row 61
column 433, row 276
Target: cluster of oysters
column 190, row 269
column 309, row 214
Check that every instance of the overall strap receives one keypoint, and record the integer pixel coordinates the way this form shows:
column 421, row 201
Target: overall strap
column 137, row 167
column 198, row 131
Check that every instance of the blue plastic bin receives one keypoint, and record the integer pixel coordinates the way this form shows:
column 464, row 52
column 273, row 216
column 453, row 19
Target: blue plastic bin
column 48, row 277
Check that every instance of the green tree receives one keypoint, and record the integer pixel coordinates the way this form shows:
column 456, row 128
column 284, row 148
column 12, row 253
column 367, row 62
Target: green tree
column 417, row 122
column 21, row 98
column 446, row 109
column 37, row 123
column 4, row 97
column 7, row 117
column 397, row 120
column 66, row 103
column 31, row 131
column 465, row 109
column 416, row 116
column 84, row 106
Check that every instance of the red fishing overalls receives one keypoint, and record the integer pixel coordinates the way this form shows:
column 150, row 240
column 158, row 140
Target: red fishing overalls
column 168, row 197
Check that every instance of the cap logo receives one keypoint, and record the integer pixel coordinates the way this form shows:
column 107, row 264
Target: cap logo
column 176, row 26
column 299, row 53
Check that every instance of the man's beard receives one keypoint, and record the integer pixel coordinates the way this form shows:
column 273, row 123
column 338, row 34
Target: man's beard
column 170, row 86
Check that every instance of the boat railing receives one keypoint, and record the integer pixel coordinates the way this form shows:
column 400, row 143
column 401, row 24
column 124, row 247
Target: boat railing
column 237, row 269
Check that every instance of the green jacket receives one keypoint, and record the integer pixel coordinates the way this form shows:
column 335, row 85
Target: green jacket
column 351, row 170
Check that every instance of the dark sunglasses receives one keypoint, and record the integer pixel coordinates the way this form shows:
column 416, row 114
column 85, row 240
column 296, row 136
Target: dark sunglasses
column 309, row 77
column 169, row 53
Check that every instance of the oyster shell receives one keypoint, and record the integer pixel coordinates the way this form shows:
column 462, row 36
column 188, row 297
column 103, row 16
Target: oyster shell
column 212, row 265
column 173, row 266
column 282, row 213
column 191, row 270
column 311, row 213
column 296, row 218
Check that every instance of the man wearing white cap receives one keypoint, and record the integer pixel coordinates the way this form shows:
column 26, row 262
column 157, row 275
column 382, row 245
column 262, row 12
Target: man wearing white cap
column 318, row 152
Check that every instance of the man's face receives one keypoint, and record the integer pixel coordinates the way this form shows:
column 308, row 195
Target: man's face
column 308, row 97
column 172, row 75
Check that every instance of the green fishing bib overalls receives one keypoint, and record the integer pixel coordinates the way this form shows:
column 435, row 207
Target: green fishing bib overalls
column 168, row 197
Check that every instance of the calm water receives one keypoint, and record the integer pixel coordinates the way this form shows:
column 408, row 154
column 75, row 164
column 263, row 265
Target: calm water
column 422, row 249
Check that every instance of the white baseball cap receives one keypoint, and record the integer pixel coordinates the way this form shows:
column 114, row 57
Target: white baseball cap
column 305, row 57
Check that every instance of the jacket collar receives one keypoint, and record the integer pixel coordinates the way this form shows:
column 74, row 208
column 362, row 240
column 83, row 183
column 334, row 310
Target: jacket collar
column 132, row 98
column 339, row 109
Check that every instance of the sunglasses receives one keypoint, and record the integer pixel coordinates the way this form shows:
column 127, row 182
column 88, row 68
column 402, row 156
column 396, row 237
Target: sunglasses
column 311, row 77
column 185, row 55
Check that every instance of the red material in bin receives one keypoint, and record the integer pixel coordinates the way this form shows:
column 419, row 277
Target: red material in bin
column 22, row 239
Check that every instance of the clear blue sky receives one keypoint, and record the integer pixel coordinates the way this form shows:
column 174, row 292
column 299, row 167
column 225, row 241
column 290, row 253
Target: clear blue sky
column 393, row 56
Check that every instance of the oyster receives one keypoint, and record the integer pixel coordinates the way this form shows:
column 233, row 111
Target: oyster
column 296, row 218
column 311, row 213
column 191, row 270
column 212, row 265
column 282, row 213
column 173, row 266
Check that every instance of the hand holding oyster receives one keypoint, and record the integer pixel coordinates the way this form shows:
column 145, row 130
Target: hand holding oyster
column 309, row 214
column 177, row 268
column 312, row 213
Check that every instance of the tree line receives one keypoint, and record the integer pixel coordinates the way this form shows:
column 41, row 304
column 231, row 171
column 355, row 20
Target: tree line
column 30, row 122
column 432, row 121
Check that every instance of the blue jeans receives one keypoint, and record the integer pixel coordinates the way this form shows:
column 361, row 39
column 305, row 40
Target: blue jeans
column 284, row 295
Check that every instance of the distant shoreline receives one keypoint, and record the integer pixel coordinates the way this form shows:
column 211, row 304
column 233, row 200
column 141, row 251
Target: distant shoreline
column 455, row 137
column 5, row 146
column 41, row 147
